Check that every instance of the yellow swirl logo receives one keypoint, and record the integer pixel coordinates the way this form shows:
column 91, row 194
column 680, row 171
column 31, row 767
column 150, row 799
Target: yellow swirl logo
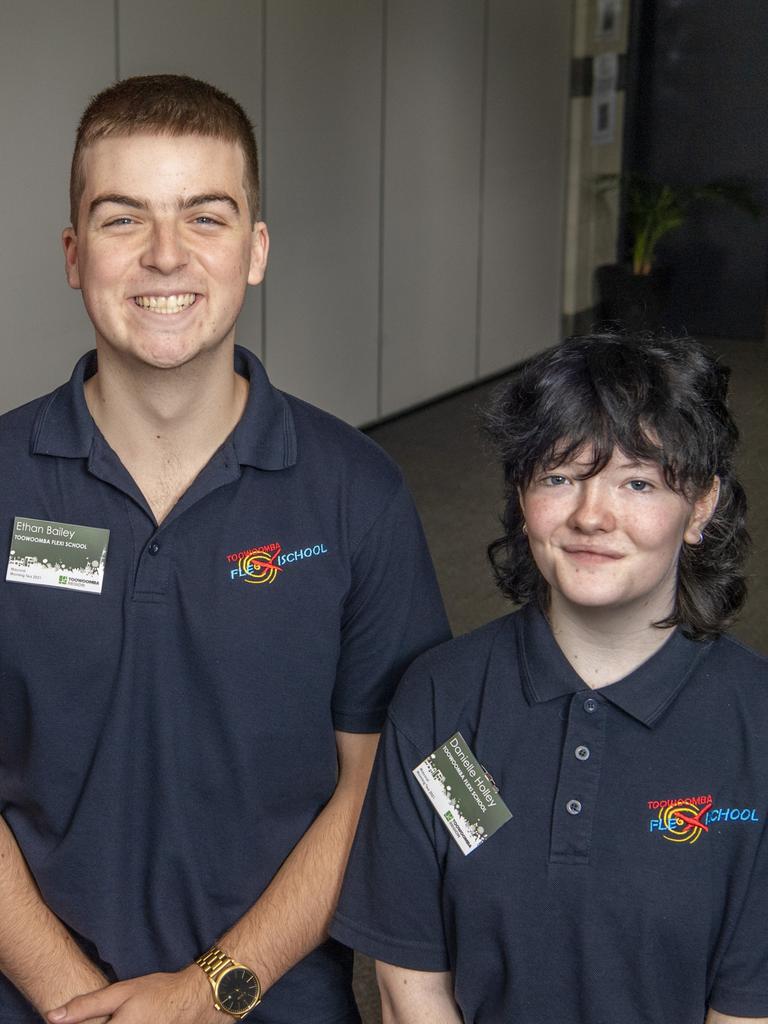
column 683, row 823
column 259, row 566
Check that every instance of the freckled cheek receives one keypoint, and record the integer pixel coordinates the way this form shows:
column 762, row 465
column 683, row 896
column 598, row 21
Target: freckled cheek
column 657, row 532
column 543, row 550
column 543, row 520
column 540, row 557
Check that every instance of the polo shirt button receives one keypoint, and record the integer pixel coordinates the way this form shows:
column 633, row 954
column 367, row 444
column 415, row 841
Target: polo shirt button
column 590, row 705
column 573, row 807
column 153, row 548
column 582, row 753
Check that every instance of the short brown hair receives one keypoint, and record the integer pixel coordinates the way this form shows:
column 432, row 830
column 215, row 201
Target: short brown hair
column 165, row 105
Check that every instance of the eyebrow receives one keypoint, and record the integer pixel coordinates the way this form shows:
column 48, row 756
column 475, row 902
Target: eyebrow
column 632, row 464
column 190, row 203
column 210, row 197
column 118, row 200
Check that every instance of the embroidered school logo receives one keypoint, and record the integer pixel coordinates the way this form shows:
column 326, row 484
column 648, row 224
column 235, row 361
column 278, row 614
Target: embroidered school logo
column 256, row 565
column 263, row 564
column 682, row 820
column 685, row 820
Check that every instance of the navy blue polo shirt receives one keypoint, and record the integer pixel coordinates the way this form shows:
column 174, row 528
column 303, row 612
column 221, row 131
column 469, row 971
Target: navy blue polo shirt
column 165, row 744
column 630, row 885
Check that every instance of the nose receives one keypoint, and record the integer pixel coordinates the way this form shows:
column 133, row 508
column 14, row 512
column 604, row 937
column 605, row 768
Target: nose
column 592, row 512
column 165, row 249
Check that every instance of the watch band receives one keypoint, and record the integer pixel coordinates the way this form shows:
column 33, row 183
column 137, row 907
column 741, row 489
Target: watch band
column 214, row 960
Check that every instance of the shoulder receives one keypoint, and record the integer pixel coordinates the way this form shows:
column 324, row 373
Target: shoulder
column 457, row 655
column 337, row 463
column 451, row 675
column 17, row 427
column 338, row 446
column 738, row 662
column 730, row 686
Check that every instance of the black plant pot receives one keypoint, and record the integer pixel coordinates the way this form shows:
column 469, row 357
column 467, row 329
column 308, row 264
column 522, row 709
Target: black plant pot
column 633, row 302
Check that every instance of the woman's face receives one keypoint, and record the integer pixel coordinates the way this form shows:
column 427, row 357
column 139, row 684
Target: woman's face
column 611, row 541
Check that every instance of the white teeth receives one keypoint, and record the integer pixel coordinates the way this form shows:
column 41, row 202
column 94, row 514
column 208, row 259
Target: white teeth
column 165, row 303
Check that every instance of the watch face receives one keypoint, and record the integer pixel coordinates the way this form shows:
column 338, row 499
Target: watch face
column 237, row 990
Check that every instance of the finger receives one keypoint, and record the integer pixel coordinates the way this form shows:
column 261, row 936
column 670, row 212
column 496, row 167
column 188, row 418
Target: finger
column 88, row 1007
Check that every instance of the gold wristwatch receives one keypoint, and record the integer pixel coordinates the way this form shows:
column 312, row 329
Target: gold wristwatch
column 236, row 989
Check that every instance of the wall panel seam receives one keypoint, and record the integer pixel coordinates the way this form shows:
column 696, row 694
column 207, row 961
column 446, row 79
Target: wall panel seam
column 481, row 186
column 382, row 166
column 116, row 15
column 263, row 118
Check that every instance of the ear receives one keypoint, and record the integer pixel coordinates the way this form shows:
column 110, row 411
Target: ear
column 72, row 270
column 259, row 253
column 521, row 503
column 702, row 511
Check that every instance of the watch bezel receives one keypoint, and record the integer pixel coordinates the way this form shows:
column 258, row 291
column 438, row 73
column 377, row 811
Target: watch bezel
column 221, row 976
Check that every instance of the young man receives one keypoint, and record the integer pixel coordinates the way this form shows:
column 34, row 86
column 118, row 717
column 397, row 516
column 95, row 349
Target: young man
column 211, row 591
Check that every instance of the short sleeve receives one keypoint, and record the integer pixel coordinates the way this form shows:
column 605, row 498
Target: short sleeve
column 741, row 984
column 390, row 906
column 393, row 612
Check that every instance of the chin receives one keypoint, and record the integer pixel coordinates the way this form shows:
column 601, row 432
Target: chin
column 168, row 357
column 597, row 599
column 597, row 604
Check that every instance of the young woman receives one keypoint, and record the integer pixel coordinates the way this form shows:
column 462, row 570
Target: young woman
column 566, row 821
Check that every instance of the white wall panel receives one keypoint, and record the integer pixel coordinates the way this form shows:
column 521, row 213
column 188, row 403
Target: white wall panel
column 524, row 180
column 431, row 196
column 49, row 68
column 222, row 43
column 323, row 93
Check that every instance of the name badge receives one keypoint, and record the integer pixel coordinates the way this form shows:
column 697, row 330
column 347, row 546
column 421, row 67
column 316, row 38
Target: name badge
column 62, row 555
column 463, row 794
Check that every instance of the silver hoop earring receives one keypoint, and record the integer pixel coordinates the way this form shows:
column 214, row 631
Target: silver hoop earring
column 525, row 529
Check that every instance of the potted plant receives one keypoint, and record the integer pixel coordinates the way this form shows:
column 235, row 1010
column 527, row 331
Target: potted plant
column 633, row 294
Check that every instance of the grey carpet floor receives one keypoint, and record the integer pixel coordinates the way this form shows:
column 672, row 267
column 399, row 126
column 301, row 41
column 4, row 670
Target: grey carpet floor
column 458, row 490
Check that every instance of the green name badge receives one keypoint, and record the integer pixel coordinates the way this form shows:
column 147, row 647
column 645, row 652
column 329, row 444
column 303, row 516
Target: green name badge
column 462, row 793
column 62, row 555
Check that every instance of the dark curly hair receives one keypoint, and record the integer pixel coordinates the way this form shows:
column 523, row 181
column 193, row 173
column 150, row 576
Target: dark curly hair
column 659, row 399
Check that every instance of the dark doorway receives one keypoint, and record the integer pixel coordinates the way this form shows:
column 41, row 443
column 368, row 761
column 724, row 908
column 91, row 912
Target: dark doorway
column 697, row 110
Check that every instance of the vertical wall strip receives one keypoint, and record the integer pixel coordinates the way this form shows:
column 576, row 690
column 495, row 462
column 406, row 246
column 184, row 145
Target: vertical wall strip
column 263, row 155
column 481, row 188
column 117, row 39
column 382, row 154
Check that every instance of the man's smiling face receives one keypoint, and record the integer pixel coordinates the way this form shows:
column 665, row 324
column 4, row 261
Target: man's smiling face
column 164, row 247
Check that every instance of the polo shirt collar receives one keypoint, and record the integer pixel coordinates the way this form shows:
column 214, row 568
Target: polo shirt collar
column 645, row 694
column 64, row 426
column 264, row 438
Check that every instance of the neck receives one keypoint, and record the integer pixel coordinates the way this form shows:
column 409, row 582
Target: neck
column 604, row 645
column 165, row 424
column 136, row 404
